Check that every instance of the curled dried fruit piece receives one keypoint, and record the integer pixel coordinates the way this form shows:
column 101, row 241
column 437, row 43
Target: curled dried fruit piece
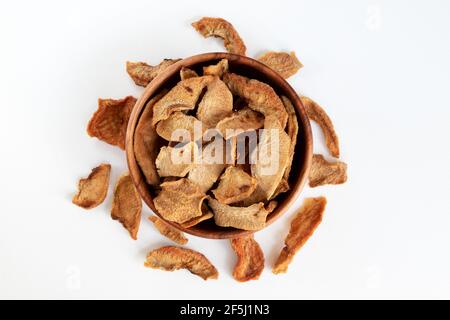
column 109, row 122
column 172, row 258
column 269, row 160
column 183, row 96
column 92, row 190
column 179, row 201
column 142, row 73
column 178, row 120
column 241, row 121
column 245, row 218
column 317, row 114
column 146, row 143
column 292, row 131
column 261, row 97
column 221, row 28
column 216, row 69
column 234, row 185
column 286, row 64
column 324, row 172
column 302, row 227
column 186, row 73
column 250, row 262
column 168, row 231
column 176, row 161
column 127, row 205
column 207, row 214
column 217, row 103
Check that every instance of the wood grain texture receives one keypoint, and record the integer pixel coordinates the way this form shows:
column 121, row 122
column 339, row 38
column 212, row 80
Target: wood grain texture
column 249, row 68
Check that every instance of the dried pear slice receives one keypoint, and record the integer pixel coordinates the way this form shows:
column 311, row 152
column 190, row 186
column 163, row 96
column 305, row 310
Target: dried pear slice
column 93, row 189
column 109, row 122
column 172, row 258
column 217, row 27
column 179, row 201
column 306, row 220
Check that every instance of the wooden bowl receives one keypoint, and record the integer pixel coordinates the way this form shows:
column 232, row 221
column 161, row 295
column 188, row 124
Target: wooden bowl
column 247, row 67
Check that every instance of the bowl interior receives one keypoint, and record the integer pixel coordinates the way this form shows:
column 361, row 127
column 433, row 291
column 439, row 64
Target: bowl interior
column 250, row 68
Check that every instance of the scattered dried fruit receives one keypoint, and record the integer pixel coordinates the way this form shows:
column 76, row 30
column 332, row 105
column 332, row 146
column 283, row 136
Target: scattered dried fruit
column 186, row 73
column 93, row 189
column 241, row 121
column 261, row 97
column 250, row 263
column 109, row 122
column 168, row 231
column 286, row 64
column 217, row 103
column 245, row 218
column 172, row 258
column 216, row 69
column 235, row 185
column 142, row 73
column 302, row 227
column 176, row 161
column 183, row 96
column 127, row 205
column 324, row 172
column 179, row 201
column 221, row 28
column 317, row 114
column 146, row 143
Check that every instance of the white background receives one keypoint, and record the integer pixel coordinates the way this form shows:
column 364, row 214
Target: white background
column 380, row 68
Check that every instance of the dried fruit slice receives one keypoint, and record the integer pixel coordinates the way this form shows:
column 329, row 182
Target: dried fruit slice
column 93, row 189
column 317, row 114
column 179, row 201
column 216, row 69
column 324, row 172
column 235, row 185
column 168, row 231
column 217, row 103
column 142, row 73
column 250, row 263
column 302, row 227
column 172, row 258
column 269, row 161
column 167, row 128
column 186, row 73
column 241, row 121
column 183, row 96
column 176, row 161
column 292, row 131
column 261, row 97
column 221, row 28
column 109, row 122
column 245, row 218
column 207, row 214
column 286, row 64
column 212, row 165
column 146, row 143
column 127, row 205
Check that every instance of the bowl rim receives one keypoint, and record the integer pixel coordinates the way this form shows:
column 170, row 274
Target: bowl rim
column 156, row 84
